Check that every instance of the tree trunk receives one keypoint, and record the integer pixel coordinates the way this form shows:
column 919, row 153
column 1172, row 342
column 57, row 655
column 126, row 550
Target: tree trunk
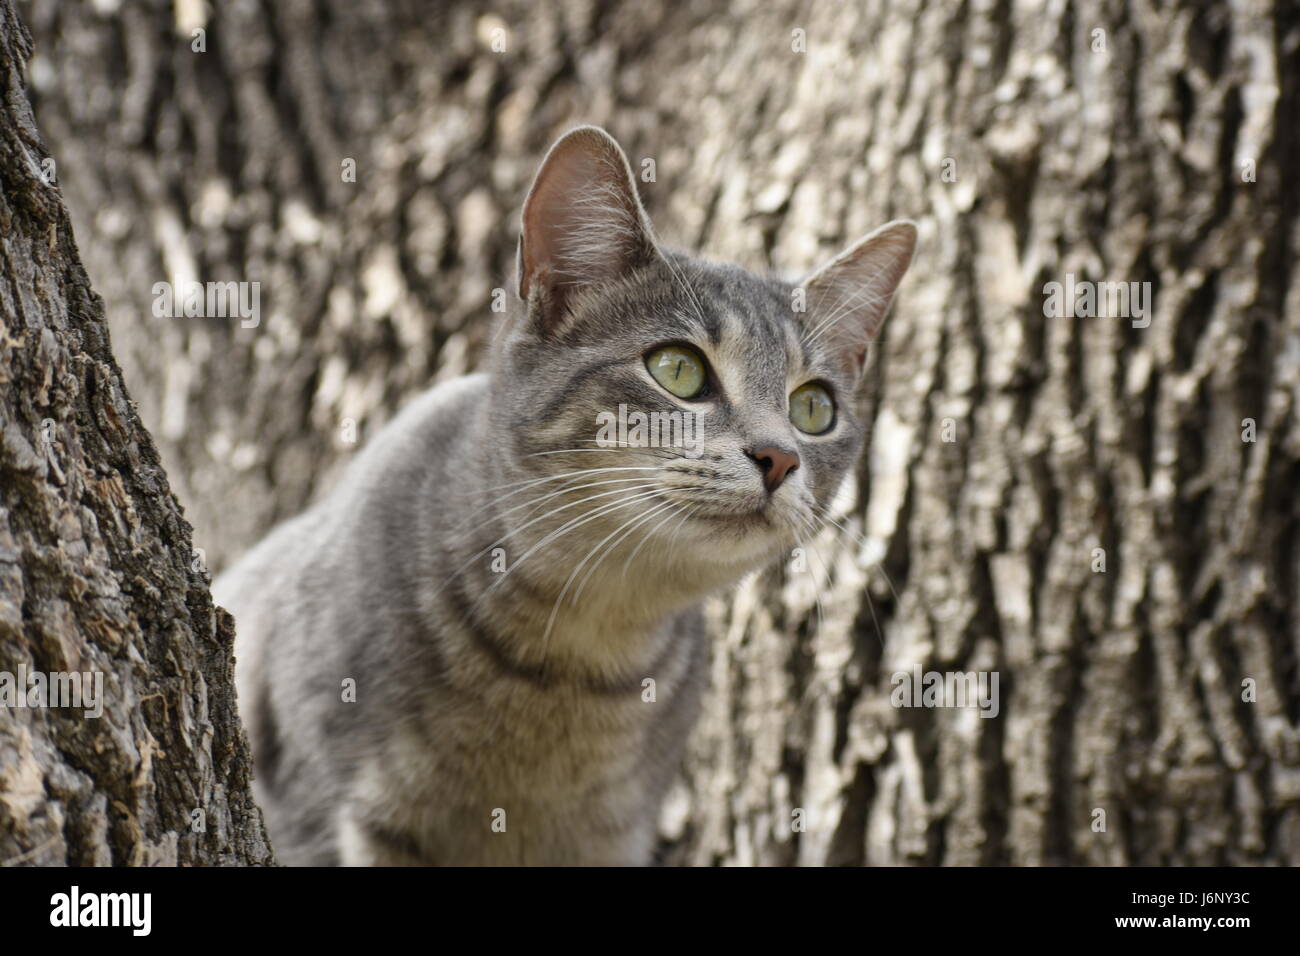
column 1013, row 455
column 96, row 574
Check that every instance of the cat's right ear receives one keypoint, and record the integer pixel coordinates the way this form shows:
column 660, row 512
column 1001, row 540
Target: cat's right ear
column 583, row 224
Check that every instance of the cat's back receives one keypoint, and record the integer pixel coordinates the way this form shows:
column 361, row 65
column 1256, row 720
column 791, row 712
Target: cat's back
column 416, row 448
column 311, row 599
column 317, row 577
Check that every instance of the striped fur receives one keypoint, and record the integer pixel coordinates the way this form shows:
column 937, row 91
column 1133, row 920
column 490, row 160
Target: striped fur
column 502, row 711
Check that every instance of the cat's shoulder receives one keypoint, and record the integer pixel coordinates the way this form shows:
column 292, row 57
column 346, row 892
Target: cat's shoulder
column 439, row 413
column 464, row 390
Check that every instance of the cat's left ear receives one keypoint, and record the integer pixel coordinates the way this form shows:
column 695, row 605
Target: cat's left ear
column 583, row 224
column 846, row 300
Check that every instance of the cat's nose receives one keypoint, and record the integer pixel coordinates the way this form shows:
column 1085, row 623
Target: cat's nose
column 775, row 463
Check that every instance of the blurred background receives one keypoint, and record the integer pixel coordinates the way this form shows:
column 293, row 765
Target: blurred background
column 1104, row 514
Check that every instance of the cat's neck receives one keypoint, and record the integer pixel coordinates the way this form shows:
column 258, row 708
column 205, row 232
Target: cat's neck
column 544, row 588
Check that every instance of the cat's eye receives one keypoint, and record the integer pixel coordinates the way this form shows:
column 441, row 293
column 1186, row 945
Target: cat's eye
column 679, row 369
column 812, row 409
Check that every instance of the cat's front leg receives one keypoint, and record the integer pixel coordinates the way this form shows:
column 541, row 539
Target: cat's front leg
column 366, row 841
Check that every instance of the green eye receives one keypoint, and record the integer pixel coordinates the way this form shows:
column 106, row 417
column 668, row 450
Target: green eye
column 812, row 409
column 678, row 369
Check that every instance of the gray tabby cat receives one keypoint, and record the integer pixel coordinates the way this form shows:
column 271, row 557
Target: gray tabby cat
column 514, row 594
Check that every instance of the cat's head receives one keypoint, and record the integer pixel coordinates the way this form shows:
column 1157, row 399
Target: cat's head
column 693, row 408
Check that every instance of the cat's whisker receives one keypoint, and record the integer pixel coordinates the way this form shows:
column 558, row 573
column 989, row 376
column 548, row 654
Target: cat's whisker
column 608, row 444
column 678, row 530
column 572, row 524
column 677, row 510
column 579, row 473
column 815, row 530
column 569, row 474
column 586, row 472
column 877, row 565
column 576, row 483
column 871, row 606
column 478, row 704
column 460, row 569
column 564, row 507
column 654, row 452
column 513, row 531
column 612, row 441
column 550, row 622
column 555, row 608
column 537, row 502
column 810, row 529
column 656, row 510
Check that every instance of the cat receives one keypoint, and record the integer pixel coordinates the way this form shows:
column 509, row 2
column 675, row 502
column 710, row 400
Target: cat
column 485, row 644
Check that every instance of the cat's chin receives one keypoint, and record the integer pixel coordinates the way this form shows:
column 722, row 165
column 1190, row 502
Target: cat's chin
column 738, row 521
column 743, row 538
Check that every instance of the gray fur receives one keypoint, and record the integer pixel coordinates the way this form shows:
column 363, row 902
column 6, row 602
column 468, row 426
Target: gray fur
column 465, row 704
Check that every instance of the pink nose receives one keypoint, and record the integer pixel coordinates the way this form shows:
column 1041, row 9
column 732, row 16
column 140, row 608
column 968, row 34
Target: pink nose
column 775, row 465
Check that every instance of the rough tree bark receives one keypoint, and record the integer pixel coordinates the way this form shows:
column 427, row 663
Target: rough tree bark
column 95, row 571
column 1028, row 145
